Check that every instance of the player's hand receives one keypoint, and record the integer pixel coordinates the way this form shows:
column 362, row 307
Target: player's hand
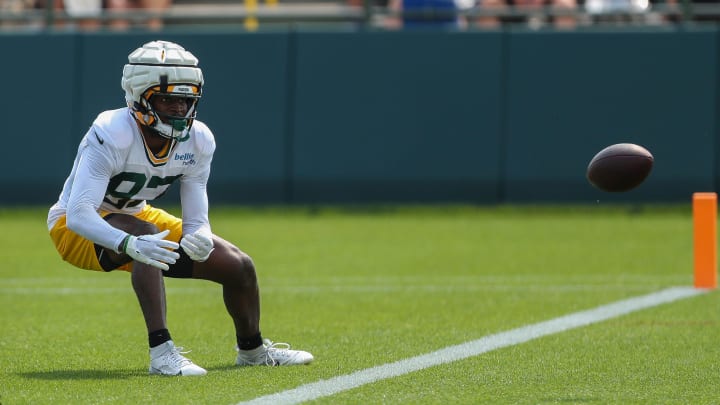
column 198, row 246
column 152, row 249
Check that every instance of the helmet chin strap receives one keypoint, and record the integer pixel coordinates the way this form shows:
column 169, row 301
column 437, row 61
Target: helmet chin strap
column 178, row 124
column 156, row 132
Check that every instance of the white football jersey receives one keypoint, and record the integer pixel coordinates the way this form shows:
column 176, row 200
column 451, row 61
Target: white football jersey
column 115, row 171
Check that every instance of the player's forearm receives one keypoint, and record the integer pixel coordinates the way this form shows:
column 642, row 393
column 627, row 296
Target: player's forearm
column 194, row 201
column 90, row 183
column 86, row 222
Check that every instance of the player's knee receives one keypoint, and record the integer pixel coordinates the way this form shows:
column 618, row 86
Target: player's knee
column 143, row 228
column 132, row 225
column 247, row 268
column 229, row 266
column 244, row 267
column 248, row 264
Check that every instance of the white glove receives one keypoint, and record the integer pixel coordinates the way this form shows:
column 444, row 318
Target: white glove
column 152, row 249
column 198, row 246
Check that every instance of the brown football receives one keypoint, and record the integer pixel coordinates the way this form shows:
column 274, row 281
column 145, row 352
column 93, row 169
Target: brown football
column 620, row 167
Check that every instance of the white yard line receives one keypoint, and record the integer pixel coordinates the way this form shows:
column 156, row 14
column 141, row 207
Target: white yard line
column 324, row 388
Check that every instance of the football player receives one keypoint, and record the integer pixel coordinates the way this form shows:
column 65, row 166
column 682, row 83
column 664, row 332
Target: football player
column 102, row 220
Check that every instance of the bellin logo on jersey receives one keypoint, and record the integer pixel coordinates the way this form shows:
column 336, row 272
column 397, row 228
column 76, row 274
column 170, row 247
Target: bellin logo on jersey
column 186, row 158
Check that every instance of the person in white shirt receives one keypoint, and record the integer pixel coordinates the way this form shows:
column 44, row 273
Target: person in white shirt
column 102, row 220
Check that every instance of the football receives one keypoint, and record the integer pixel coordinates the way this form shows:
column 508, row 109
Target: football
column 620, row 167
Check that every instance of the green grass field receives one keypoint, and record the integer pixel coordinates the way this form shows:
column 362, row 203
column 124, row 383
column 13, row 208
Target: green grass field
column 367, row 286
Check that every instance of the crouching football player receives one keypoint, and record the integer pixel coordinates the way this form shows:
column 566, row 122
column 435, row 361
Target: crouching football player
column 102, row 220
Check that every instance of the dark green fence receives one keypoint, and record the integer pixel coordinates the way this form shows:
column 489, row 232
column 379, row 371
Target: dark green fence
column 355, row 117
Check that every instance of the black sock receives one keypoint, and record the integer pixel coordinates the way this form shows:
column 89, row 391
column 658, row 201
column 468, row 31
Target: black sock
column 250, row 343
column 158, row 337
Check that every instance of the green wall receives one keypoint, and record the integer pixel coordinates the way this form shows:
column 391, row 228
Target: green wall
column 352, row 117
column 570, row 95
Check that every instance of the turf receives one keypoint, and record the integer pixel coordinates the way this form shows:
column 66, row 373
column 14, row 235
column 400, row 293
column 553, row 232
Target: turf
column 364, row 286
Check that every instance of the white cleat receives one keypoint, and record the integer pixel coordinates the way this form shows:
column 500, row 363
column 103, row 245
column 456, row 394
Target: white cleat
column 167, row 359
column 273, row 354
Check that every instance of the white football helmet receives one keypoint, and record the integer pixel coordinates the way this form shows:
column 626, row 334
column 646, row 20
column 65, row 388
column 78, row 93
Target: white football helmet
column 162, row 68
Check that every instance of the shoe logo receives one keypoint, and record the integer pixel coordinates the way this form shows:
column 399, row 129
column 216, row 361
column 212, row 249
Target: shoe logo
column 99, row 139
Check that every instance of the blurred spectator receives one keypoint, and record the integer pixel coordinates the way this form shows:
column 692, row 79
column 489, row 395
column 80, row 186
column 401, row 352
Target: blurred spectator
column 533, row 13
column 152, row 6
column 611, row 6
column 567, row 20
column 490, row 21
column 14, row 8
column 616, row 10
column 629, row 11
column 537, row 17
column 86, row 12
column 427, row 13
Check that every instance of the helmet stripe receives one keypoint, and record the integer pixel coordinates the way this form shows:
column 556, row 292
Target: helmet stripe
column 163, row 83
